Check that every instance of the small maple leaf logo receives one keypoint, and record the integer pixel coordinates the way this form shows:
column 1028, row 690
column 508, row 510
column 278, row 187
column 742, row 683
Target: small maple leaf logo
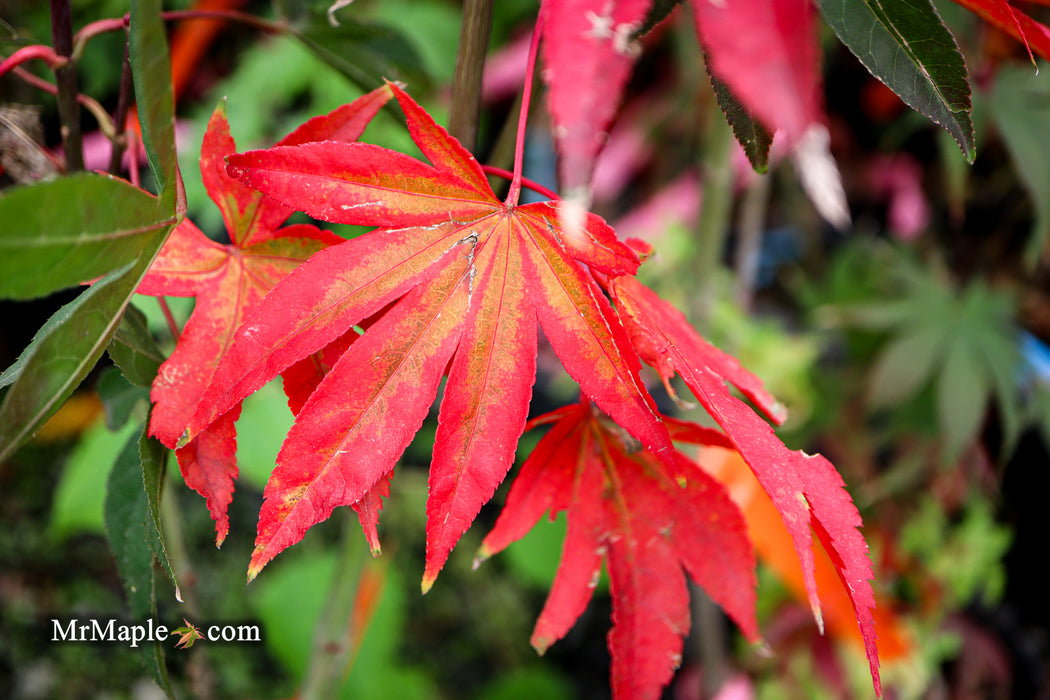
column 188, row 634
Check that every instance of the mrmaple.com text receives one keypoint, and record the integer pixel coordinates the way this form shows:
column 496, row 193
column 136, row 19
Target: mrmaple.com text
column 75, row 630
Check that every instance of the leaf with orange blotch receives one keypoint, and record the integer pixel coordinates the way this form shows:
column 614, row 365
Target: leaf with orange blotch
column 807, row 491
column 467, row 279
column 648, row 521
column 228, row 280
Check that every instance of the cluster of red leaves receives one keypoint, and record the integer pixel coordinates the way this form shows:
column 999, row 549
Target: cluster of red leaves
column 455, row 283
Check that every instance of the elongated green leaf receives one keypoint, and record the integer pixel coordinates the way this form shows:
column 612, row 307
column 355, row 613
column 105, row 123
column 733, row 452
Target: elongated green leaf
column 962, row 397
column 753, row 137
column 905, row 44
column 151, row 72
column 71, row 230
column 65, row 350
column 129, row 530
column 154, row 459
column 906, row 364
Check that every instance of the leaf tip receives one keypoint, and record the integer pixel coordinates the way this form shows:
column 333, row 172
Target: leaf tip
column 818, row 616
column 429, row 577
column 540, row 644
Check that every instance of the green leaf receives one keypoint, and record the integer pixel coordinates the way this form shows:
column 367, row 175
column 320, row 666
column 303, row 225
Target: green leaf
column 905, row 365
column 119, row 397
column 905, row 44
column 754, row 137
column 364, row 53
column 129, row 529
column 65, row 350
column 1020, row 104
column 962, row 397
column 70, row 231
column 151, row 73
column 134, row 350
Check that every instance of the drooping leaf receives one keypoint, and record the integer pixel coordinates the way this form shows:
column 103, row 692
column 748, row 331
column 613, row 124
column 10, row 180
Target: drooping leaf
column 489, row 272
column 766, row 52
column 753, row 137
column 905, row 44
column 129, row 530
column 806, row 489
column 588, row 51
column 71, row 230
column 228, row 280
column 648, row 522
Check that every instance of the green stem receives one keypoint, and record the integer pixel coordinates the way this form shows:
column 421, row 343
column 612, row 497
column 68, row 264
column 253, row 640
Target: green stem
column 66, row 79
column 751, row 221
column 716, row 202
column 470, row 63
column 120, row 114
column 334, row 636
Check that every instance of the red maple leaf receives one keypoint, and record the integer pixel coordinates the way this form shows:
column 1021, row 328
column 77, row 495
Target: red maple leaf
column 647, row 522
column 228, row 280
column 466, row 277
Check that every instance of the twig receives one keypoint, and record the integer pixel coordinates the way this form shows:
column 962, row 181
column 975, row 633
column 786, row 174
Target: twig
column 92, row 105
column 120, row 114
column 66, row 79
column 750, row 222
column 470, row 64
column 169, row 317
column 334, row 634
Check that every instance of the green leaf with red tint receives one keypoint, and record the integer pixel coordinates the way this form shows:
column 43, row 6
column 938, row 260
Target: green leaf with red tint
column 648, row 521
